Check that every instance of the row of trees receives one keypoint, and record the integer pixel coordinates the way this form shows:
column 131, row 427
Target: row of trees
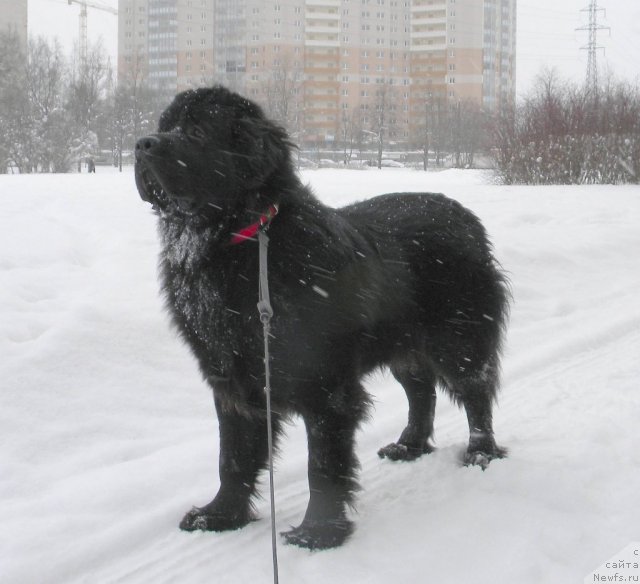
column 565, row 134
column 443, row 132
column 440, row 131
column 56, row 112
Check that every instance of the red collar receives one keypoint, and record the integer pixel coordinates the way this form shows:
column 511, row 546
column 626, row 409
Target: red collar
column 250, row 231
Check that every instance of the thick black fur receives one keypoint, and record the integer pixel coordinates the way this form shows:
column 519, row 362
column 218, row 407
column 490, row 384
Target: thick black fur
column 404, row 280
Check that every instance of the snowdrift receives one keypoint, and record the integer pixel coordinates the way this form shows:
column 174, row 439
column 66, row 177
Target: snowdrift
column 107, row 433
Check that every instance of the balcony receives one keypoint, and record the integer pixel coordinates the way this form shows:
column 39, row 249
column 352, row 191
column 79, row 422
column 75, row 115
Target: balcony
column 440, row 7
column 421, row 20
column 425, row 48
column 323, row 3
column 319, row 29
column 333, row 16
column 429, row 34
column 329, row 42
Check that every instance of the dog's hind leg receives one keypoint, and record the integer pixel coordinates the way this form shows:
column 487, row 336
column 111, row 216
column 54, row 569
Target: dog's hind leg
column 477, row 392
column 421, row 394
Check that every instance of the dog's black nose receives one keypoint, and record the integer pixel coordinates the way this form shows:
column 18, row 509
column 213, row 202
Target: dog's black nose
column 146, row 144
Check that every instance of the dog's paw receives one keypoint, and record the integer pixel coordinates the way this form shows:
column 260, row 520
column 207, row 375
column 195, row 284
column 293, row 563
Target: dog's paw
column 397, row 451
column 199, row 519
column 482, row 459
column 319, row 535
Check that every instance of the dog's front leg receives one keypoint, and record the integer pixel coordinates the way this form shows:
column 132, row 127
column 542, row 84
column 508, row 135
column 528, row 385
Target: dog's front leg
column 332, row 483
column 243, row 454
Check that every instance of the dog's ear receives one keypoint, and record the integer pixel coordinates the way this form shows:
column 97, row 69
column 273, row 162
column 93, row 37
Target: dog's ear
column 264, row 145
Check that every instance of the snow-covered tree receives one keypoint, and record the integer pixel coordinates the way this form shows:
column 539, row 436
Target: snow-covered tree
column 16, row 138
column 130, row 111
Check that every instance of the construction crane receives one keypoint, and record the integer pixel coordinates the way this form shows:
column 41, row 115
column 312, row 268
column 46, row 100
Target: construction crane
column 82, row 40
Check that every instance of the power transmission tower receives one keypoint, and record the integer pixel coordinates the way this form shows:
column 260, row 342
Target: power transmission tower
column 592, row 46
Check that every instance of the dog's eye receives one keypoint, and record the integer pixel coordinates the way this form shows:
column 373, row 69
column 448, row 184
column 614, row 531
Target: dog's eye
column 196, row 132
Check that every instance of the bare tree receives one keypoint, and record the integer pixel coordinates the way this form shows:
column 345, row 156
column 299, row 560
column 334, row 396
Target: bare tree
column 421, row 132
column 467, row 123
column 130, row 112
column 282, row 92
column 87, row 85
column 349, row 132
column 440, row 128
column 382, row 122
column 562, row 134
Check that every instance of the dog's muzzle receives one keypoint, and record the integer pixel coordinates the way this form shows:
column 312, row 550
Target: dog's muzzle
column 146, row 145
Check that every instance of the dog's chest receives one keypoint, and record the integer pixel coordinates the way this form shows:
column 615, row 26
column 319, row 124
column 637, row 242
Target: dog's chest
column 200, row 297
column 184, row 248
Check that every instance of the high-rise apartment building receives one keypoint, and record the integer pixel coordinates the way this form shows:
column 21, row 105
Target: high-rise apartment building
column 166, row 43
column 328, row 67
column 464, row 50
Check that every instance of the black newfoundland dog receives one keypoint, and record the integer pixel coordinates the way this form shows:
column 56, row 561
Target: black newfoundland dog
column 404, row 280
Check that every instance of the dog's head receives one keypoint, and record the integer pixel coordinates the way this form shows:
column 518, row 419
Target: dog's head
column 213, row 147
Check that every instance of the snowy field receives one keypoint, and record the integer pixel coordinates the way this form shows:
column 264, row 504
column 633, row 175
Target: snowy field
column 107, row 433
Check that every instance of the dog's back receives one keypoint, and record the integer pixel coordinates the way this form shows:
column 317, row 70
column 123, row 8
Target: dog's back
column 459, row 297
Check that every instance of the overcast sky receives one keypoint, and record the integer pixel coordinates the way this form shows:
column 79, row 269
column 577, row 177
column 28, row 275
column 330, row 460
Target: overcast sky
column 546, row 35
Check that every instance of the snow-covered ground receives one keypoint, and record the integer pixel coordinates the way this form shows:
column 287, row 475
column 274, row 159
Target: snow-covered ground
column 107, row 433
